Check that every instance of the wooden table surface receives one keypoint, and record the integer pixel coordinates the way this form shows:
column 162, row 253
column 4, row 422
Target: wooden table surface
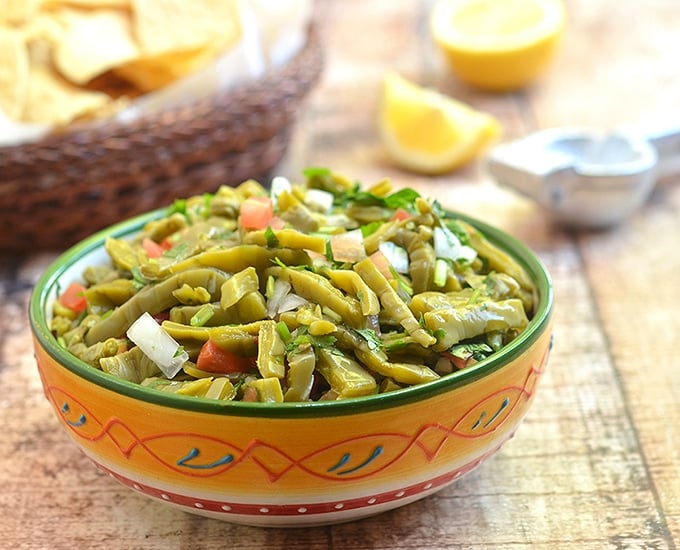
column 596, row 463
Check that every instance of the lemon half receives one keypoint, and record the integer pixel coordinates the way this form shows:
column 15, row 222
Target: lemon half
column 498, row 45
column 428, row 132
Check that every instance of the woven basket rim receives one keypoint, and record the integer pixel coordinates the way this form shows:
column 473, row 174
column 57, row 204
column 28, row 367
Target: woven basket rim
column 64, row 186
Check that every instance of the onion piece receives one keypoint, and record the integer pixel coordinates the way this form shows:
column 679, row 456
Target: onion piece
column 396, row 255
column 291, row 302
column 280, row 289
column 279, row 185
column 449, row 247
column 319, row 200
column 157, row 344
column 348, row 246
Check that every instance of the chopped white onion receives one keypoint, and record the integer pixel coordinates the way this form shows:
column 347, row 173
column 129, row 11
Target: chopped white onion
column 467, row 253
column 281, row 289
column 339, row 220
column 278, row 186
column 157, row 345
column 318, row 199
column 348, row 246
column 449, row 247
column 446, row 244
column 291, row 302
column 396, row 255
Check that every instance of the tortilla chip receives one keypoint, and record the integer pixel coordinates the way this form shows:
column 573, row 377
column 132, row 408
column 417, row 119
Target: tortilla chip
column 13, row 73
column 64, row 60
column 17, row 12
column 92, row 42
column 152, row 73
column 51, row 99
column 89, row 4
column 164, row 26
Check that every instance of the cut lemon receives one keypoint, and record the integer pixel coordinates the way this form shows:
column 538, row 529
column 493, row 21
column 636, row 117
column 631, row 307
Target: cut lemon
column 498, row 45
column 428, row 132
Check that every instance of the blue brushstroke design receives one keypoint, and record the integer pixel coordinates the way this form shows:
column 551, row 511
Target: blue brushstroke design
column 340, row 463
column 505, row 403
column 193, row 453
column 491, row 420
column 81, row 419
column 479, row 420
column 375, row 454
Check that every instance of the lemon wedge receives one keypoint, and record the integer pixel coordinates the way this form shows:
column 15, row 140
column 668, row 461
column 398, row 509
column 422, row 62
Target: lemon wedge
column 498, row 45
column 428, row 132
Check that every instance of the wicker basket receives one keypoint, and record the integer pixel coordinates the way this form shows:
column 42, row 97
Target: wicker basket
column 66, row 186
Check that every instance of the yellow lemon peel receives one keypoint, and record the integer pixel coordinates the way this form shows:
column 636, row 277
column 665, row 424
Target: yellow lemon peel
column 498, row 45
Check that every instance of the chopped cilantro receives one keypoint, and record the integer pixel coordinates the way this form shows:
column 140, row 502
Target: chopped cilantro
column 404, row 198
column 476, row 351
column 458, row 230
column 179, row 206
column 374, row 342
column 300, row 337
column 138, row 280
column 272, row 239
column 316, row 171
column 369, row 228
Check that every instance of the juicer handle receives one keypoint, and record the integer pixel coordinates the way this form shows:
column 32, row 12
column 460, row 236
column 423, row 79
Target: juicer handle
column 666, row 141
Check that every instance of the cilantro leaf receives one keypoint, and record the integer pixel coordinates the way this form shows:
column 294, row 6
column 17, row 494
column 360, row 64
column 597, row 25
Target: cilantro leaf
column 316, row 171
column 476, row 351
column 404, row 198
column 270, row 236
column 374, row 342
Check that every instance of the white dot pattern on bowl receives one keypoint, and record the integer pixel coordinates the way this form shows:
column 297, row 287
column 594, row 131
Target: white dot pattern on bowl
column 284, row 510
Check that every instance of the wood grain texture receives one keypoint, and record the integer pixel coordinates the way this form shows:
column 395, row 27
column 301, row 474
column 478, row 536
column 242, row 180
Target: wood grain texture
column 596, row 464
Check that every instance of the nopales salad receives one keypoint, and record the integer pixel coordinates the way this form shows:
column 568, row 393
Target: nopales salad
column 318, row 290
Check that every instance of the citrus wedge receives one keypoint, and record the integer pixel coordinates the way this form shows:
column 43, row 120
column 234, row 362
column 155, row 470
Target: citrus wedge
column 498, row 45
column 428, row 132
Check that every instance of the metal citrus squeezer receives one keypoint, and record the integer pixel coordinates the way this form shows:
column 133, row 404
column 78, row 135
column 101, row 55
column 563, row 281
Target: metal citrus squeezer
column 585, row 178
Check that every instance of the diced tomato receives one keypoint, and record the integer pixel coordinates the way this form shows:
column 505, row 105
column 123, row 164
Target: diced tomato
column 276, row 223
column 162, row 316
column 256, row 212
column 152, row 248
column 400, row 215
column 459, row 362
column 74, row 298
column 213, row 358
column 171, row 240
column 383, row 264
column 249, row 395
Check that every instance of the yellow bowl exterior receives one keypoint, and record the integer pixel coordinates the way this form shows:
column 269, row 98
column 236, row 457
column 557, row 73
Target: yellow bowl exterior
column 291, row 471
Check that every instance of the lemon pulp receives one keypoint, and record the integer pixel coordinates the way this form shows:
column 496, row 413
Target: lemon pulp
column 428, row 132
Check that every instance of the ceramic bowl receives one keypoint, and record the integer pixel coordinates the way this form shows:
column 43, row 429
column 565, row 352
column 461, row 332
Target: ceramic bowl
column 290, row 464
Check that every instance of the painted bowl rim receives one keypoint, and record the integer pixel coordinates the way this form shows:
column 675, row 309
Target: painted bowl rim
column 40, row 296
